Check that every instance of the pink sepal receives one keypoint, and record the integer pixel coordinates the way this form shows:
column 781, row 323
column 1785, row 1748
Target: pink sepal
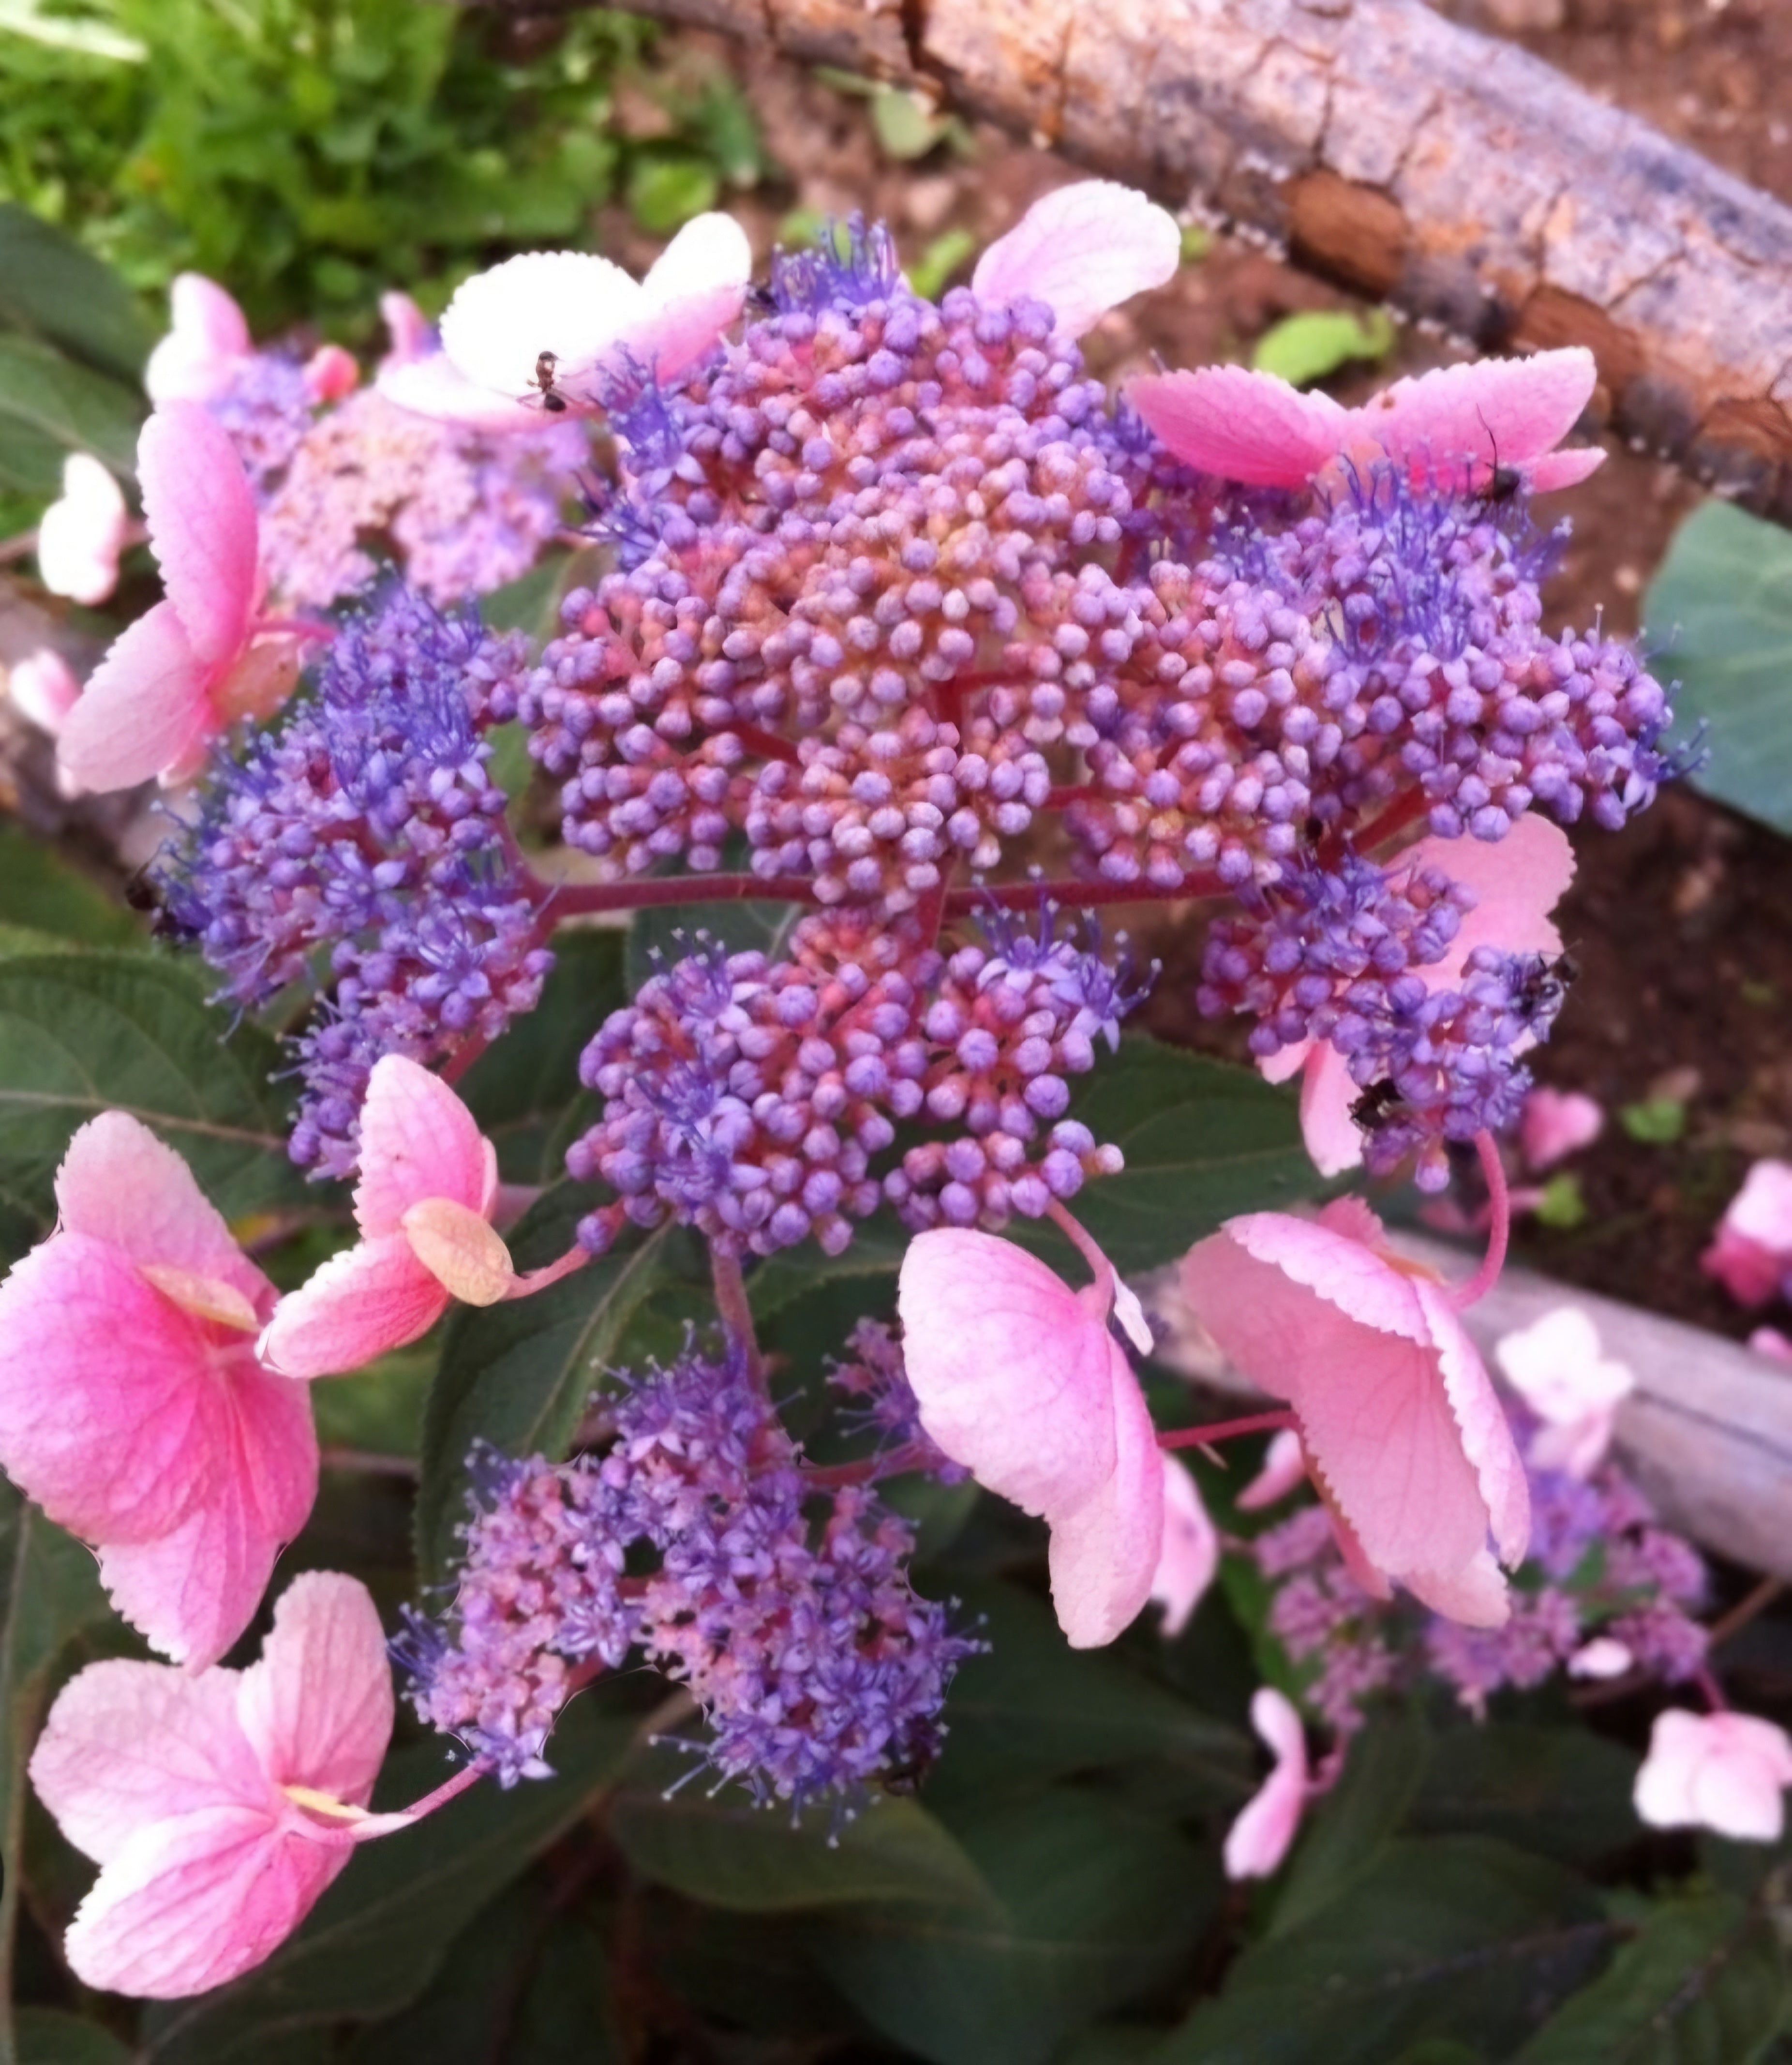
column 1284, row 1470
column 200, row 511
column 144, row 708
column 412, row 334
column 1753, row 1248
column 81, row 534
column 1557, row 1123
column 1190, row 1556
column 331, row 373
column 317, row 1709
column 1557, row 1367
column 43, row 689
column 209, row 341
column 1246, row 427
column 1019, row 1379
column 1260, row 1838
column 1726, row 1771
column 1401, row 1425
column 360, row 1305
column 1082, row 250
column 433, row 386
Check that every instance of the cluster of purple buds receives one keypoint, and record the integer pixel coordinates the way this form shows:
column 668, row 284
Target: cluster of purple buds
column 365, row 824
column 751, row 1098
column 818, row 1668
column 874, row 1375
column 1601, row 1567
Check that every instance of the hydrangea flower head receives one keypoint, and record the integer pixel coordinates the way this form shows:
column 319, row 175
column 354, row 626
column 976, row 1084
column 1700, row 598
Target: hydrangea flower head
column 132, row 1405
column 1400, row 1423
column 1019, row 1378
column 218, row 1806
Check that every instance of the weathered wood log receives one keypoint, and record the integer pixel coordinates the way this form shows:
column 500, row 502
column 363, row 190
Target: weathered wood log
column 1459, row 178
column 1707, row 1432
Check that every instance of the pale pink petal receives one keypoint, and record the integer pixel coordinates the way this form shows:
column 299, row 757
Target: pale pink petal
column 1750, row 1273
column 1517, row 881
column 202, row 526
column 1762, row 1211
column 434, row 387
column 104, row 1387
column 1556, row 1124
column 145, row 708
column 1602, row 1657
column 460, row 1250
column 417, row 1141
column 194, row 1590
column 80, row 536
column 1556, row 1366
column 1190, row 1555
column 201, row 352
column 1082, row 250
column 128, row 1744
column 318, row 1706
column 412, row 334
column 1328, row 1093
column 187, row 1904
column 1725, row 1771
column 1563, row 468
column 1260, row 1838
column 710, row 252
column 1014, row 1377
column 1576, row 1447
column 360, row 1305
column 1481, row 1426
column 1286, row 1061
column 1770, row 1341
column 1508, row 411
column 1106, row 1550
column 43, row 689
column 667, row 340
column 568, row 302
column 1284, row 1470
column 1475, row 1594
column 119, row 1183
column 1245, row 427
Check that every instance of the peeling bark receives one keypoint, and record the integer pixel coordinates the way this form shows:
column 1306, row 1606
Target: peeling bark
column 1461, row 179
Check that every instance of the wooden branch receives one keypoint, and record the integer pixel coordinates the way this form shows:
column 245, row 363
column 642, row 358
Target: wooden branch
column 1707, row 1432
column 1461, row 179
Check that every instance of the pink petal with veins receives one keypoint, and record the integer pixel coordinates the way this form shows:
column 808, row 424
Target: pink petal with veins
column 1260, row 1837
column 1399, row 1419
column 1019, row 1379
column 1505, row 411
column 201, row 515
column 361, row 1304
column 1082, row 250
column 1249, row 427
column 145, row 708
column 417, row 1141
column 200, row 354
column 318, row 1707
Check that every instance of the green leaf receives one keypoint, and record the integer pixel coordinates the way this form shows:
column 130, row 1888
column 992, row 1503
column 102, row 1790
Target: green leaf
column 524, row 1090
column 84, row 1033
column 726, row 1852
column 46, row 2036
column 1203, row 1140
column 1301, row 349
column 665, row 191
column 49, row 1591
column 1655, row 1122
column 1032, row 1708
column 1561, row 1790
column 49, row 396
column 1446, row 1937
column 1720, row 612
column 1100, row 1907
column 1702, row 1982
column 380, row 1933
column 51, row 288
column 1563, row 1208
column 929, row 273
column 1383, row 1770
column 906, row 124
column 518, row 1375
column 40, row 892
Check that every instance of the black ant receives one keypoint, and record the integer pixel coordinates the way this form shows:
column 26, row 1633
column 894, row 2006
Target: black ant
column 551, row 398
column 1378, row 1104
column 1543, row 988
column 146, row 895
column 1502, row 482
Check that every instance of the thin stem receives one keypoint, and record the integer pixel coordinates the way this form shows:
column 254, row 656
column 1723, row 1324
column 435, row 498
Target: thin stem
column 1079, row 895
column 1499, row 1226
column 578, row 899
column 1746, row 1610
column 766, row 744
column 1403, row 811
column 1225, row 1430
column 363, row 1462
column 737, row 1314
column 1713, row 1691
column 463, row 1058
column 527, row 1285
column 1082, row 1240
column 836, row 1477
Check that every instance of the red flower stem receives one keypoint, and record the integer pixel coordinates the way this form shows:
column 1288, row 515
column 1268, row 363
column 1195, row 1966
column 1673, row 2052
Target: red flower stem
column 1225, row 1430
column 766, row 744
column 836, row 1476
column 551, row 1272
column 1500, row 1226
column 578, row 900
column 451, row 1789
column 1079, row 895
column 463, row 1058
column 735, row 1313
column 1713, row 1692
column 1403, row 811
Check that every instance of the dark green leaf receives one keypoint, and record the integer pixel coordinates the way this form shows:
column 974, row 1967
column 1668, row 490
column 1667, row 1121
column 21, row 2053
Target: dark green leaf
column 49, row 1591
column 524, row 1090
column 518, row 1375
column 50, row 396
column 1720, row 611
column 1033, row 1708
column 83, row 1033
column 1203, row 1140
column 46, row 2036
column 725, row 1852
column 50, row 286
column 1562, row 1791
column 1702, row 1982
column 1384, row 1768
column 379, row 1935
column 1448, row 1937
column 40, row 892
column 1099, row 1906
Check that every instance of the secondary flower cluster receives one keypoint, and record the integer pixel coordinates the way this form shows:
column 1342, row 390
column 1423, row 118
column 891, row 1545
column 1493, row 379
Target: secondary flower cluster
column 817, row 1667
